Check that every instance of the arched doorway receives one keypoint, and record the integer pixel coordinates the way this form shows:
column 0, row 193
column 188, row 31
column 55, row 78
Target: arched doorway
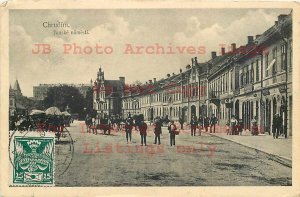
column 193, row 110
column 274, row 107
column 184, row 114
column 210, row 111
column 151, row 114
column 268, row 115
column 243, row 114
column 203, row 110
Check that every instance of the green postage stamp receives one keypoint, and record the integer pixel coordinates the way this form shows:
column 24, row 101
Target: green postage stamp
column 33, row 160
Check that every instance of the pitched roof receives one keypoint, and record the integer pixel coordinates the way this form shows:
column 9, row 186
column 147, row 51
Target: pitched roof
column 17, row 86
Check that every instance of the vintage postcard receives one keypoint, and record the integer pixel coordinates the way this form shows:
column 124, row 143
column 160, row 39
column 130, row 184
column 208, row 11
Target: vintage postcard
column 140, row 98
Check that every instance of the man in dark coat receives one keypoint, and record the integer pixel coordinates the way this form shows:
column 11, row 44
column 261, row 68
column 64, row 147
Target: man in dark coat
column 206, row 123
column 194, row 124
column 157, row 130
column 181, row 122
column 213, row 122
column 277, row 123
column 128, row 128
column 143, row 132
column 172, row 132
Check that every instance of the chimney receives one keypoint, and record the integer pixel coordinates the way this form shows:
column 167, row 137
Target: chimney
column 250, row 39
column 168, row 75
column 196, row 62
column 150, row 81
column 122, row 79
column 188, row 66
column 233, row 47
column 154, row 80
column 223, row 51
column 213, row 55
column 173, row 74
column 192, row 62
column 276, row 22
column 257, row 36
column 180, row 70
column 281, row 18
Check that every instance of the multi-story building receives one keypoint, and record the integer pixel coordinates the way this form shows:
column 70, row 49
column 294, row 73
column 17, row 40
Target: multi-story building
column 107, row 95
column 255, row 80
column 40, row 91
column 250, row 81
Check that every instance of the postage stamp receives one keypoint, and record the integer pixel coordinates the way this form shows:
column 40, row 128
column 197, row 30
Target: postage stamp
column 33, row 160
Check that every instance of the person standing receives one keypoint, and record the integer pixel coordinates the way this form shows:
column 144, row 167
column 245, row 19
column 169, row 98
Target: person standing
column 213, row 122
column 143, row 132
column 200, row 122
column 240, row 126
column 277, row 123
column 128, row 129
column 181, row 122
column 254, row 126
column 228, row 127
column 157, row 130
column 206, row 123
column 172, row 132
column 194, row 124
column 233, row 123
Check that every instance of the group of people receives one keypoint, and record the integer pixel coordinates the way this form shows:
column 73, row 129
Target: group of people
column 142, row 127
column 201, row 123
column 38, row 122
column 233, row 126
column 41, row 122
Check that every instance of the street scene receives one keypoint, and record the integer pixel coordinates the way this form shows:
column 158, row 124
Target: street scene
column 206, row 160
column 210, row 105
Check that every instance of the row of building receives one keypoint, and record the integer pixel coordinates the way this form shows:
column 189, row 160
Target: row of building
column 249, row 81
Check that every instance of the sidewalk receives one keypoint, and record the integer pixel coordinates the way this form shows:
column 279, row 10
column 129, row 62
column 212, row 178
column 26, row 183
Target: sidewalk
column 280, row 147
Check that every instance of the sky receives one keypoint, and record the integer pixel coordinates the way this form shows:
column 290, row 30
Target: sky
column 117, row 29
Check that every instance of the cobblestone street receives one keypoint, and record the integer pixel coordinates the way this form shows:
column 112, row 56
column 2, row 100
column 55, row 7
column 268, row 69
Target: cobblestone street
column 103, row 160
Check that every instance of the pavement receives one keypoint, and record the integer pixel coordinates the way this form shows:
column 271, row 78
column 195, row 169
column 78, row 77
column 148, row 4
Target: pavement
column 86, row 159
column 280, row 147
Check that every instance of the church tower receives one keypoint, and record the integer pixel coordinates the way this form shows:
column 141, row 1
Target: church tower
column 17, row 89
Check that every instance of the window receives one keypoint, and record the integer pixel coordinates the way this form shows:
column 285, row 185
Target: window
column 247, row 75
column 283, row 57
column 291, row 52
column 257, row 70
column 232, row 81
column 252, row 72
column 267, row 64
column 274, row 54
column 226, row 82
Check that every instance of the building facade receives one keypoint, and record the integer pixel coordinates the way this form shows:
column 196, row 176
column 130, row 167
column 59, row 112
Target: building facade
column 249, row 81
column 107, row 95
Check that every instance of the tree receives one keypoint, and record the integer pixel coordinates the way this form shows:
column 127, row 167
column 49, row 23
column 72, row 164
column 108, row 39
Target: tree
column 65, row 97
column 89, row 103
